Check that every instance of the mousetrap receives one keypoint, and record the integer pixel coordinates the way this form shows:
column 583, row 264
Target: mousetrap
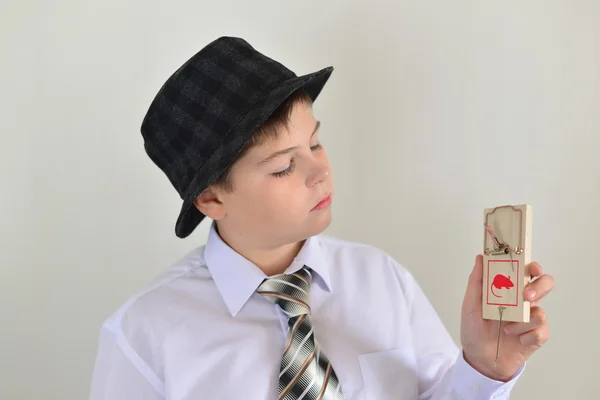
column 507, row 252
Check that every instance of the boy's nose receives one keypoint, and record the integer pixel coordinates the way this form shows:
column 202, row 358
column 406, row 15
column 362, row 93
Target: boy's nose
column 319, row 174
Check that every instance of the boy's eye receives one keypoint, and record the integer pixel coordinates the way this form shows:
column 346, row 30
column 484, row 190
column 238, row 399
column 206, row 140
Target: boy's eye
column 286, row 171
column 290, row 169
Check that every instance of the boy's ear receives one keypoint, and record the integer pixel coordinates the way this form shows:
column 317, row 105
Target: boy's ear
column 209, row 204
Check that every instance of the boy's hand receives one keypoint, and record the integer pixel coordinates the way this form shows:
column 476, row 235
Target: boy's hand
column 479, row 337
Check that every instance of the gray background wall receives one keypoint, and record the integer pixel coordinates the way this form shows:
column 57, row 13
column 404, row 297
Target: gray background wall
column 435, row 111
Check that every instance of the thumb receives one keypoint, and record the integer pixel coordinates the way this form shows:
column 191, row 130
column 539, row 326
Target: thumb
column 474, row 292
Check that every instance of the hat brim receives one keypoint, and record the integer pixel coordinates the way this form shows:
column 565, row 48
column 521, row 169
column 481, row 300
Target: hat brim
column 189, row 215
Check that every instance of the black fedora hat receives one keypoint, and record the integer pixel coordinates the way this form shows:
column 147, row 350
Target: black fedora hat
column 208, row 109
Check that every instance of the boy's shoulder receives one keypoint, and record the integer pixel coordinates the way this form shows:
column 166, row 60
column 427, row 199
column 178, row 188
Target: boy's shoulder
column 360, row 256
column 186, row 284
column 336, row 244
column 162, row 291
column 338, row 247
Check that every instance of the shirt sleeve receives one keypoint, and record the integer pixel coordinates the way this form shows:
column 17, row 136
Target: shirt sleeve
column 119, row 374
column 470, row 384
column 443, row 372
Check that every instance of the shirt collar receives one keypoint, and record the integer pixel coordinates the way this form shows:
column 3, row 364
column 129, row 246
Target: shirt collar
column 237, row 278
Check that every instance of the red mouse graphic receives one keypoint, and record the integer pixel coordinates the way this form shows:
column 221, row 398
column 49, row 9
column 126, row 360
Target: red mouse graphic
column 501, row 281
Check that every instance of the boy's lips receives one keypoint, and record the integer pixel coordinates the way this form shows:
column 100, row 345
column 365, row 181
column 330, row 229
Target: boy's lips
column 325, row 201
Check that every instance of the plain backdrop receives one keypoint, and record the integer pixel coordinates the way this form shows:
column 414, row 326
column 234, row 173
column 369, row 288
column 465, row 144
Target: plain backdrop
column 435, row 111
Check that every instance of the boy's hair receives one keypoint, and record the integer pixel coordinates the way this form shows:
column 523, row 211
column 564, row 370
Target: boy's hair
column 268, row 131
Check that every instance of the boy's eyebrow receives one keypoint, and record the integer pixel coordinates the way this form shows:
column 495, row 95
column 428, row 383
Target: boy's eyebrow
column 282, row 152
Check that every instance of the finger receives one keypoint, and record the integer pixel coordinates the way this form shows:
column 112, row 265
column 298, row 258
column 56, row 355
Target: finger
column 474, row 291
column 476, row 277
column 537, row 319
column 535, row 269
column 536, row 290
column 536, row 337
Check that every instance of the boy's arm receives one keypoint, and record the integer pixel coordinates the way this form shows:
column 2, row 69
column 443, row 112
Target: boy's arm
column 443, row 372
column 119, row 373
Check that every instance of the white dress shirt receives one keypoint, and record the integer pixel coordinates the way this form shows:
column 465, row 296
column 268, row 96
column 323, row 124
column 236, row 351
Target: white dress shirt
column 200, row 331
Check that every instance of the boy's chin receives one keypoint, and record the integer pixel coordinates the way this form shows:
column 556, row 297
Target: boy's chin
column 318, row 225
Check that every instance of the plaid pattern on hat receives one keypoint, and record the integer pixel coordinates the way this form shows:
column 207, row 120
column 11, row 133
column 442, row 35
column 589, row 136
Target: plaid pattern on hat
column 208, row 109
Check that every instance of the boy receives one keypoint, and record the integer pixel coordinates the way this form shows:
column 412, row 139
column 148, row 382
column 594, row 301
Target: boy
column 271, row 308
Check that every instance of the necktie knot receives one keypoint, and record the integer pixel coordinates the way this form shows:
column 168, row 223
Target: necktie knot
column 291, row 292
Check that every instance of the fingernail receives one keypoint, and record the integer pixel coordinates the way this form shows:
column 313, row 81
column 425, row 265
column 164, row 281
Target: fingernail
column 507, row 331
column 530, row 293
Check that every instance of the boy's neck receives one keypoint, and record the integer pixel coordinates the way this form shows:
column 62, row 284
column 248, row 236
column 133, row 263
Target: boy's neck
column 271, row 261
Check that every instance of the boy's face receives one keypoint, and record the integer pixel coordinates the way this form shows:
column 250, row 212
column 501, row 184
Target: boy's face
column 274, row 197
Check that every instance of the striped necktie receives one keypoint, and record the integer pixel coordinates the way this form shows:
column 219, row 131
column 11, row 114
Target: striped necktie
column 305, row 371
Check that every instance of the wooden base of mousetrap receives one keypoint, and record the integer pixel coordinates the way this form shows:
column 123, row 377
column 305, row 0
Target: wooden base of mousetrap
column 507, row 253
